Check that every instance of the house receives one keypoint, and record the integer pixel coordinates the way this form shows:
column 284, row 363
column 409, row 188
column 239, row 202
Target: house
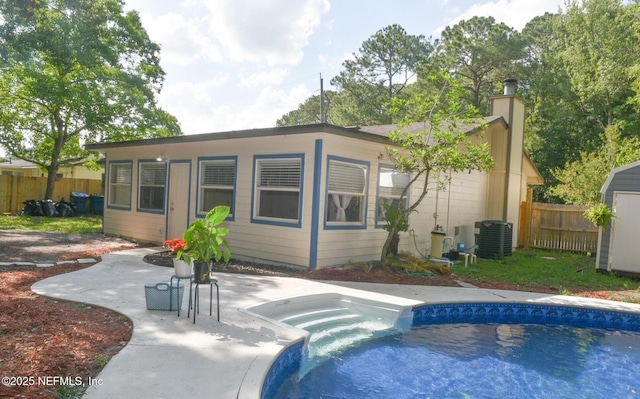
column 617, row 250
column 75, row 170
column 306, row 195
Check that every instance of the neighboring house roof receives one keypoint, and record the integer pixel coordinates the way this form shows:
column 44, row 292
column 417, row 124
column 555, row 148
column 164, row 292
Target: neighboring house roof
column 21, row 163
column 18, row 163
column 385, row 130
column 377, row 133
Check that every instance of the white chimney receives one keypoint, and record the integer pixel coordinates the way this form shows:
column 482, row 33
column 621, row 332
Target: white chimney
column 510, row 87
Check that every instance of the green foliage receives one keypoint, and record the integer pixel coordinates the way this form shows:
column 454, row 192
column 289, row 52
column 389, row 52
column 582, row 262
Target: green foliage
column 563, row 271
column 393, row 216
column 580, row 181
column 600, row 215
column 440, row 147
column 80, row 224
column 482, row 53
column 407, row 263
column 384, row 66
column 75, row 72
column 308, row 112
column 204, row 239
column 69, row 391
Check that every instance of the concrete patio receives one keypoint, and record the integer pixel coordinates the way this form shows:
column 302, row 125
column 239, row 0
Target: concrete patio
column 170, row 357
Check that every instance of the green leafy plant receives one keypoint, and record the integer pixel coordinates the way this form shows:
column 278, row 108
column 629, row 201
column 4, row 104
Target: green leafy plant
column 396, row 221
column 204, row 239
column 600, row 215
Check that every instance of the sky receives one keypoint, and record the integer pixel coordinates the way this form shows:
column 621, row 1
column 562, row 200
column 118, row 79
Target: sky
column 243, row 64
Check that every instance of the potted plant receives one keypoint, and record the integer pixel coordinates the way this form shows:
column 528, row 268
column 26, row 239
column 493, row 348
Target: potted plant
column 175, row 245
column 204, row 241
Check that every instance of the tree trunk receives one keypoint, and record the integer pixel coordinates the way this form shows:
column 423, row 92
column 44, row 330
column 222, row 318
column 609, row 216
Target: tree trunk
column 393, row 246
column 52, row 171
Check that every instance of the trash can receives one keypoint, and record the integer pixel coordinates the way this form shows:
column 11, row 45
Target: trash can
column 437, row 242
column 80, row 200
column 96, row 203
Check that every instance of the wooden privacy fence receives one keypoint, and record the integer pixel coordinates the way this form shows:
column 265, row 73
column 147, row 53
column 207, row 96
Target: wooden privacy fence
column 14, row 190
column 557, row 227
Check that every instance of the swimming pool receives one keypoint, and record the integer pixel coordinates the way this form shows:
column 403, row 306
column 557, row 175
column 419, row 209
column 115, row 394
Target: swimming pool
column 480, row 350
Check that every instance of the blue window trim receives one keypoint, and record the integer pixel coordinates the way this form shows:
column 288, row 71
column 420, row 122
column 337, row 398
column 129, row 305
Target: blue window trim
column 234, row 158
column 315, row 210
column 379, row 224
column 188, row 162
column 166, row 192
column 108, row 186
column 276, row 222
column 347, row 225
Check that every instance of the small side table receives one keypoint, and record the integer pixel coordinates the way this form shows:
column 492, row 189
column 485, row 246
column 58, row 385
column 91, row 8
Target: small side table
column 196, row 298
column 190, row 278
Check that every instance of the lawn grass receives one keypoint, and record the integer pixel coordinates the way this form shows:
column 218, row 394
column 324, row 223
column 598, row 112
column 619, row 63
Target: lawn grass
column 78, row 224
column 567, row 272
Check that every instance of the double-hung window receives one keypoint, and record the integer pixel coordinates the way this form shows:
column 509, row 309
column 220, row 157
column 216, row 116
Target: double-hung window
column 152, row 183
column 391, row 184
column 346, row 192
column 120, row 174
column 217, row 184
column 278, row 189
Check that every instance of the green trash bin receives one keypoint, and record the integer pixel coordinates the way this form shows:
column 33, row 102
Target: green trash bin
column 96, row 204
column 80, row 200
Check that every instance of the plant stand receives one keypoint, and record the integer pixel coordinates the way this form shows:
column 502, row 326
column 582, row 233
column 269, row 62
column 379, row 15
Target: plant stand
column 190, row 277
column 194, row 302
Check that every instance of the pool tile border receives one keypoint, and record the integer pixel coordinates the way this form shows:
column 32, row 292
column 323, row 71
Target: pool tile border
column 285, row 366
column 511, row 313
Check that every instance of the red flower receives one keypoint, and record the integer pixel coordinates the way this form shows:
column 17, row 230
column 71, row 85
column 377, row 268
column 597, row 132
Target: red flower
column 175, row 244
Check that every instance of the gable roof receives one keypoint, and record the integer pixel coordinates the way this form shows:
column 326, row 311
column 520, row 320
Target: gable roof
column 379, row 133
column 615, row 171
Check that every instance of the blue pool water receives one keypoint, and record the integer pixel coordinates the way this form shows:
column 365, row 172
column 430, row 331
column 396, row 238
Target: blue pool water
column 491, row 360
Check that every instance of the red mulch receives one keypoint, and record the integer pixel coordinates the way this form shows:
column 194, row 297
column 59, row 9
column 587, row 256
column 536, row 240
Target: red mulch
column 44, row 339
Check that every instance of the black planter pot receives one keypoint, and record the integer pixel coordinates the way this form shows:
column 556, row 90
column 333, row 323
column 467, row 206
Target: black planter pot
column 201, row 272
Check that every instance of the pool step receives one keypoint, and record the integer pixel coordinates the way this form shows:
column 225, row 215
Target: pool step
column 334, row 329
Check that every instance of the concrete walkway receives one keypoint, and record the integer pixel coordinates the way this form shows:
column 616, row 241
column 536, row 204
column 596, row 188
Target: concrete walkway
column 170, row 357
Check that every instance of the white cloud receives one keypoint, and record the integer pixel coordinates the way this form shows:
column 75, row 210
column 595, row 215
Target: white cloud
column 184, row 40
column 270, row 105
column 194, row 106
column 274, row 32
column 263, row 78
column 513, row 13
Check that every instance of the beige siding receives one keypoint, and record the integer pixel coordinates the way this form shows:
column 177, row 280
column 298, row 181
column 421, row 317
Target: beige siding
column 280, row 244
column 460, row 205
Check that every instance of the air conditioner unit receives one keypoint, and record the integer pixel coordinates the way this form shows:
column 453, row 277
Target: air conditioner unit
column 494, row 239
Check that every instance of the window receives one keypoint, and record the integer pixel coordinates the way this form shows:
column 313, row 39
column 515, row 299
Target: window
column 120, row 184
column 217, row 184
column 390, row 186
column 152, row 183
column 346, row 188
column 278, row 188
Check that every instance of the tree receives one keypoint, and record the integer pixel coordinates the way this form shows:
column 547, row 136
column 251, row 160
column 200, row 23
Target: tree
column 440, row 148
column 480, row 53
column 384, row 66
column 309, row 112
column 598, row 53
column 75, row 72
column 581, row 181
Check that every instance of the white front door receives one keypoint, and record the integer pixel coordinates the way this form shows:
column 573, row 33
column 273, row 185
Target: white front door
column 179, row 182
column 625, row 251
